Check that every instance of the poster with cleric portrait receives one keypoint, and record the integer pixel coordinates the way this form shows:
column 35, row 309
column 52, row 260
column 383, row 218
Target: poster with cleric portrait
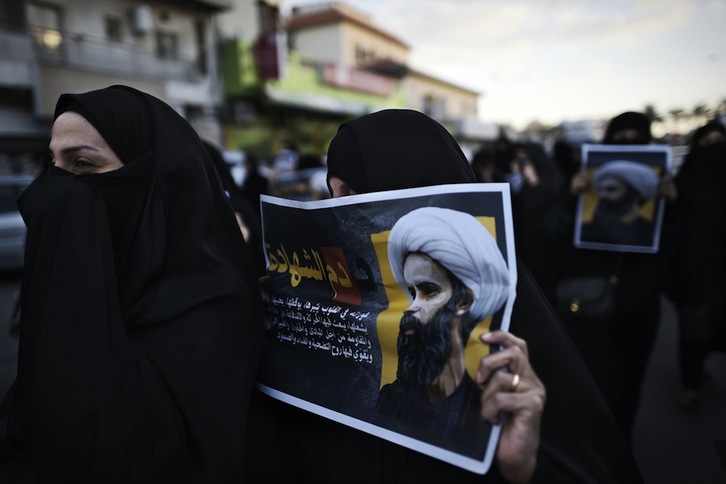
column 369, row 297
column 622, row 208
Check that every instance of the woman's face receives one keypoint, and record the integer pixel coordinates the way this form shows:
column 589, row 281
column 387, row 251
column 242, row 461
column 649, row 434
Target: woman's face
column 77, row 146
column 712, row 138
column 339, row 188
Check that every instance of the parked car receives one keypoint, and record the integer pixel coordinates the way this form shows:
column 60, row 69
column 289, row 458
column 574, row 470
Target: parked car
column 12, row 226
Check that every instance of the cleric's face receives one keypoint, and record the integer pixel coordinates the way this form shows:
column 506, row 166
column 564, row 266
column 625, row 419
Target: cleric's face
column 612, row 189
column 424, row 337
column 428, row 284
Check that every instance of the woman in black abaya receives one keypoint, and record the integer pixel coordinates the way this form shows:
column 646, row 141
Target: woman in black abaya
column 574, row 439
column 140, row 313
column 617, row 363
column 699, row 261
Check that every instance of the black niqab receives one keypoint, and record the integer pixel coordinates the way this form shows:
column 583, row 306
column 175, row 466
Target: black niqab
column 626, row 121
column 139, row 373
column 129, row 132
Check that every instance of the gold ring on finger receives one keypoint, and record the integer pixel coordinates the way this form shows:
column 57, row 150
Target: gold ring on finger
column 515, row 382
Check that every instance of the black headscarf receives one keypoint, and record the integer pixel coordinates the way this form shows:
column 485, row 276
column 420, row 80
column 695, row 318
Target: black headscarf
column 240, row 204
column 139, row 369
column 629, row 120
column 383, row 151
column 396, row 149
column 712, row 126
column 130, row 133
column 699, row 263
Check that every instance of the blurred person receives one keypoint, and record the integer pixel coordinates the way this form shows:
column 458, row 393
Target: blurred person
column 141, row 320
column 571, row 438
column 503, row 152
column 287, row 159
column 538, row 191
column 551, row 248
column 484, row 165
column 699, row 262
column 533, row 179
column 255, row 183
column 311, row 183
column 617, row 341
column 567, row 158
column 246, row 213
column 628, row 128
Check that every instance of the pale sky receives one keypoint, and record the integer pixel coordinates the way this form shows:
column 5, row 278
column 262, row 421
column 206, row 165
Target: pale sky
column 556, row 60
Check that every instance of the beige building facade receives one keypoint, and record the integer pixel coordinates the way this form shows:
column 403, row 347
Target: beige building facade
column 335, row 32
column 50, row 47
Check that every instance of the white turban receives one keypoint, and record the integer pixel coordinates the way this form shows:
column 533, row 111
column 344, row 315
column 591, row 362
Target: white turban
column 460, row 243
column 639, row 176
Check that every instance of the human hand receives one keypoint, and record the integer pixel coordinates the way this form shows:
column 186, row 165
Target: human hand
column 530, row 174
column 667, row 188
column 518, row 393
column 578, row 183
column 242, row 227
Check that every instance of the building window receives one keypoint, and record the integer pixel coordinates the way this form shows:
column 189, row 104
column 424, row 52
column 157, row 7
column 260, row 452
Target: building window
column 434, row 107
column 201, row 38
column 428, row 105
column 167, row 45
column 268, row 17
column 364, row 56
column 113, row 27
column 45, row 24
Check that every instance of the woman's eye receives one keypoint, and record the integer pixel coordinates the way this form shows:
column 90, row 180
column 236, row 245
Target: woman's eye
column 83, row 164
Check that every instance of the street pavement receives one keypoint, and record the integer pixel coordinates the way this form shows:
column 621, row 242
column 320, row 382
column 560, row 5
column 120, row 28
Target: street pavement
column 671, row 446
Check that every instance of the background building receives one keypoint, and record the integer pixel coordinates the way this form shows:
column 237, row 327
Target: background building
column 166, row 48
column 299, row 77
column 245, row 77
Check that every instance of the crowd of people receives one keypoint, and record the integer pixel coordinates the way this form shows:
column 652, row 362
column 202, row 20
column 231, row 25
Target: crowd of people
column 139, row 365
column 616, row 339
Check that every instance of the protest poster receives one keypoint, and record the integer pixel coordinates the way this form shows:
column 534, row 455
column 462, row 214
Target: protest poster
column 334, row 307
column 622, row 210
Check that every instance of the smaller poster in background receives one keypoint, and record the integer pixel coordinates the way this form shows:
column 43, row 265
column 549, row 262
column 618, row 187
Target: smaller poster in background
column 622, row 209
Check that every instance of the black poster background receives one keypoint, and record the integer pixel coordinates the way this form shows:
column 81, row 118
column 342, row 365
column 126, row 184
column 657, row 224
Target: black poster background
column 324, row 351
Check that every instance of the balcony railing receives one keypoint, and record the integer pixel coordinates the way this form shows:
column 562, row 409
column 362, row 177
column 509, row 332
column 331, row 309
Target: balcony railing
column 83, row 52
column 15, row 44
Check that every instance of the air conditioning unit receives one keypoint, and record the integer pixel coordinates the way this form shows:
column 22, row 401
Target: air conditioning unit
column 142, row 20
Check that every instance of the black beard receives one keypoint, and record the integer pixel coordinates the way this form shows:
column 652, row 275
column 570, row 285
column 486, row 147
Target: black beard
column 423, row 354
column 610, row 213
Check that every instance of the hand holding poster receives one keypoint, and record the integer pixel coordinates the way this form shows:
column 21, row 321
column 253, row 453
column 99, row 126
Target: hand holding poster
column 363, row 333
